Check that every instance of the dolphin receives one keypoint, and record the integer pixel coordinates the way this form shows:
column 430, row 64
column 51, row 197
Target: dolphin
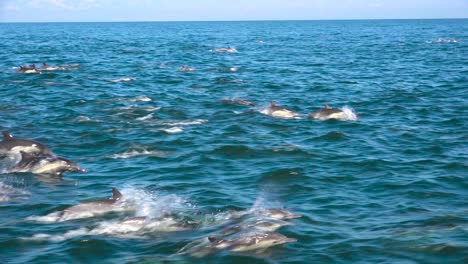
column 281, row 214
column 249, row 242
column 328, row 112
column 91, row 208
column 238, row 101
column 45, row 165
column 164, row 224
column 11, row 144
column 275, row 110
column 227, row 50
column 267, row 225
column 187, row 69
column 28, row 69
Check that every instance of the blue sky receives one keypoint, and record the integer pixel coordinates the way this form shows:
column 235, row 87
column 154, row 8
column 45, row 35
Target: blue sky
column 207, row 10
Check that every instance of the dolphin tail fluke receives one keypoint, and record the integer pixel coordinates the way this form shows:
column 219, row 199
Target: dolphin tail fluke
column 6, row 135
column 116, row 195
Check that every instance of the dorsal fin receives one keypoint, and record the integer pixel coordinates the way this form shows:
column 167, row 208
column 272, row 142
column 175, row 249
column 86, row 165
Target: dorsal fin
column 6, row 135
column 116, row 195
column 273, row 103
column 215, row 239
column 326, row 106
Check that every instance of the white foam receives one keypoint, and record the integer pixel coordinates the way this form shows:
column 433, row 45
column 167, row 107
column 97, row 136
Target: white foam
column 136, row 153
column 146, row 117
column 126, row 79
column 173, row 130
column 131, row 107
column 185, row 123
column 126, row 229
column 141, row 98
column 61, row 237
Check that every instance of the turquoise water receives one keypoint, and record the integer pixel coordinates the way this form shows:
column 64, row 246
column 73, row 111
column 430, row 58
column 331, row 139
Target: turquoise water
column 390, row 187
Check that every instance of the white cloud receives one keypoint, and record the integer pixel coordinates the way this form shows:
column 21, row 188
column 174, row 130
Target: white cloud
column 66, row 4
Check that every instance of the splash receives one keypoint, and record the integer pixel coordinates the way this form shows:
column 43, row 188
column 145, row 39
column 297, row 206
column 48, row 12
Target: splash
column 152, row 204
column 349, row 113
column 8, row 192
column 9, row 160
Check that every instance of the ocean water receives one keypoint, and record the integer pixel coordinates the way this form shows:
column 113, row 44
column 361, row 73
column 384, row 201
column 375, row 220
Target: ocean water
column 389, row 187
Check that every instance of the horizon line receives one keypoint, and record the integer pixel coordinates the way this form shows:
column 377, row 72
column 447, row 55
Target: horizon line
column 240, row 20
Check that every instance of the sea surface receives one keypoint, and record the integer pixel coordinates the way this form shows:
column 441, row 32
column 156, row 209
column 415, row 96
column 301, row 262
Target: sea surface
column 389, row 187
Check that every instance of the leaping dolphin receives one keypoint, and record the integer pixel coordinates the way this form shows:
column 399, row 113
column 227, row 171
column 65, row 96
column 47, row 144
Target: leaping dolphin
column 227, row 50
column 89, row 209
column 16, row 145
column 328, row 112
column 250, row 242
column 45, row 165
column 28, row 69
column 277, row 111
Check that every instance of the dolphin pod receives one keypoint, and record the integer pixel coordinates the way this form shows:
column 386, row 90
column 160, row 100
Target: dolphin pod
column 277, row 111
column 34, row 69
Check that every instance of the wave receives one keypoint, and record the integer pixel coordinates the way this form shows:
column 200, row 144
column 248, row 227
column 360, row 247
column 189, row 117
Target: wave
column 185, row 123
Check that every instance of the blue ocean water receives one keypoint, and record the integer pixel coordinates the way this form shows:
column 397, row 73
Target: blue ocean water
column 389, row 187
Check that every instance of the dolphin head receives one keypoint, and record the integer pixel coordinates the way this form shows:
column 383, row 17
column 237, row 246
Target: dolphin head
column 70, row 166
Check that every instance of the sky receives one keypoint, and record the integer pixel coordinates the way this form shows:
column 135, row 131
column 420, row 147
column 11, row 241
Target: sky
column 209, row 10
